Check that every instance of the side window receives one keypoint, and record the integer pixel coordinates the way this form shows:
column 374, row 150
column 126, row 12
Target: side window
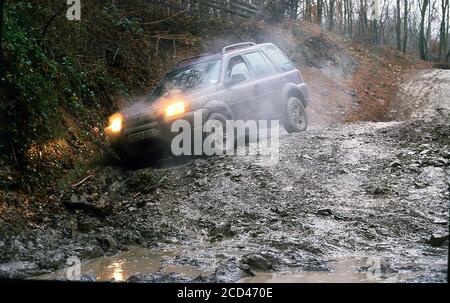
column 236, row 66
column 260, row 65
column 279, row 58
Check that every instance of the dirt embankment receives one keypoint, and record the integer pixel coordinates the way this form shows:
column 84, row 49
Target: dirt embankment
column 425, row 94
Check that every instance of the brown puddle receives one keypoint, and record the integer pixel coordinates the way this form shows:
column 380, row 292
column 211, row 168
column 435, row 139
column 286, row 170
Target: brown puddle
column 124, row 265
column 146, row 261
column 343, row 270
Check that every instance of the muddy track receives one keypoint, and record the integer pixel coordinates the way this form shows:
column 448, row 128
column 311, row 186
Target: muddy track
column 373, row 190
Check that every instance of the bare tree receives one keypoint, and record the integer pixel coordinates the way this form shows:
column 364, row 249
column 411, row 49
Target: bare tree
column 348, row 16
column 431, row 9
column 339, row 15
column 423, row 53
column 293, row 9
column 1, row 39
column 447, row 57
column 363, row 24
column 308, row 15
column 319, row 11
column 398, row 25
column 331, row 15
column 443, row 34
column 405, row 26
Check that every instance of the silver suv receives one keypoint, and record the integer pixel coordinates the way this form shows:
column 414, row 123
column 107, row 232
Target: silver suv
column 246, row 81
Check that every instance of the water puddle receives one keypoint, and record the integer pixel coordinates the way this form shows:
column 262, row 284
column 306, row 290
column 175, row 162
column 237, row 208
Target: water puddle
column 343, row 270
column 124, row 265
column 146, row 261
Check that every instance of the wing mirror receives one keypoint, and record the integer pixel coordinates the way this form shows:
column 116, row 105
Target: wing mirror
column 235, row 79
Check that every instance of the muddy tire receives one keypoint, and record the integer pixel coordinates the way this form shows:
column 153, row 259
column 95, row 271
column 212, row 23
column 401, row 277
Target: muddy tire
column 219, row 118
column 295, row 118
column 128, row 159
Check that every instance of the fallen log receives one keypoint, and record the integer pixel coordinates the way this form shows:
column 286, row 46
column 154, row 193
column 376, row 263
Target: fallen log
column 97, row 210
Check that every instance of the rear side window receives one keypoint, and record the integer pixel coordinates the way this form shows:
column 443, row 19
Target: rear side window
column 278, row 57
column 260, row 65
column 236, row 66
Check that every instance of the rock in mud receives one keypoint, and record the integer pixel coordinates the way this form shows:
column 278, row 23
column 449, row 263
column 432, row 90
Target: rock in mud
column 440, row 221
column 228, row 272
column 88, row 278
column 18, row 246
column 224, row 230
column 90, row 251
column 159, row 278
column 395, row 163
column 85, row 225
column 325, row 212
column 256, row 262
column 107, row 242
column 437, row 240
column 18, row 270
column 76, row 202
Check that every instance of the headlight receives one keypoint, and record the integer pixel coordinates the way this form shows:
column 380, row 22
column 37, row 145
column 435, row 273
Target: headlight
column 175, row 109
column 115, row 123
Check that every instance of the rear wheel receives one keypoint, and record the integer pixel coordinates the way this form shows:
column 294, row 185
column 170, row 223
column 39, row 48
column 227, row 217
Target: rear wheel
column 295, row 119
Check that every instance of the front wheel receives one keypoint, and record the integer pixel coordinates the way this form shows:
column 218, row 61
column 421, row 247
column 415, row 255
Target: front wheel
column 295, row 119
column 218, row 139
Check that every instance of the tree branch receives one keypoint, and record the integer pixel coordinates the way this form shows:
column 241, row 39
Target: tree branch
column 53, row 17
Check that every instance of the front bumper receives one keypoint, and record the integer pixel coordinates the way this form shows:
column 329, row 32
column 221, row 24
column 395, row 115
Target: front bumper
column 151, row 133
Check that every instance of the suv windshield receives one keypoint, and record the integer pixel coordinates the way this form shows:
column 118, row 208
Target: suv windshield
column 193, row 76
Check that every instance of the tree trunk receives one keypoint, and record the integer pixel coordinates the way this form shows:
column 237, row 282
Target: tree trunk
column 350, row 17
column 428, row 34
column 363, row 26
column 338, row 13
column 308, row 16
column 443, row 30
column 405, row 27
column 346, row 20
column 447, row 32
column 319, row 11
column 331, row 15
column 1, row 39
column 398, row 26
column 293, row 9
column 422, row 39
column 374, row 34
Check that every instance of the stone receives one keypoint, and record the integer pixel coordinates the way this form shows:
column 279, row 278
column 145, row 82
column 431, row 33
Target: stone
column 256, row 262
column 437, row 240
column 107, row 242
column 325, row 212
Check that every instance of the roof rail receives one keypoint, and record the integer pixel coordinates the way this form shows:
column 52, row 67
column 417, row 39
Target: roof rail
column 237, row 46
column 179, row 63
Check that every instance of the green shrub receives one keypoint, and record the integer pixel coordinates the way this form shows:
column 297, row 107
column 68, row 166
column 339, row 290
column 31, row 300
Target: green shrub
column 28, row 102
column 37, row 85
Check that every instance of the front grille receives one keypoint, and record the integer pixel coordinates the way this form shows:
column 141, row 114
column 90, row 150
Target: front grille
column 140, row 120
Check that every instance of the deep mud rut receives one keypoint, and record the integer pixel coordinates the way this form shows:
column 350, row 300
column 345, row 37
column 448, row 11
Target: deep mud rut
column 377, row 192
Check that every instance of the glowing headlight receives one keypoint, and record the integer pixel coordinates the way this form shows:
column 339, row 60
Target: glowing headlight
column 176, row 108
column 115, row 123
